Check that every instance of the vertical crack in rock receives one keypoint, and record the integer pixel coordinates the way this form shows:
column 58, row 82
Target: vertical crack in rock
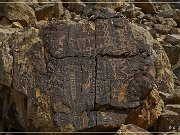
column 82, row 75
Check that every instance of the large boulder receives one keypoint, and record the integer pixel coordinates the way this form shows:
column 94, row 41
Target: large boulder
column 79, row 76
column 20, row 12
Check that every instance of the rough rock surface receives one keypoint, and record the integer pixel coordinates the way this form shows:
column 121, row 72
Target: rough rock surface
column 81, row 67
column 20, row 12
column 81, row 76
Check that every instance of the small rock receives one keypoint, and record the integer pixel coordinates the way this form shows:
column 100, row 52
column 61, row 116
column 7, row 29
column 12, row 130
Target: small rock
column 165, row 7
column 67, row 15
column 132, row 129
column 162, row 29
column 16, row 25
column 153, row 33
column 148, row 7
column 41, row 24
column 115, row 6
column 139, row 14
column 149, row 24
column 160, row 20
column 161, row 38
column 77, row 18
column 173, row 53
column 176, row 16
column 176, row 69
column 32, row 3
column 170, row 21
column 58, row 10
column 175, row 31
column 173, row 39
column 5, row 21
column 170, row 98
column 44, row 12
column 77, row 7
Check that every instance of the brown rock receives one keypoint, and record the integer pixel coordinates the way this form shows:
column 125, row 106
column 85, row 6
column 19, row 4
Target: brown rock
column 147, row 115
column 5, row 21
column 115, row 6
column 20, row 12
column 58, row 10
column 162, row 29
column 173, row 39
column 1, row 126
column 175, row 31
column 82, row 76
column 132, row 129
column 176, row 69
column 170, row 98
column 44, row 12
column 170, row 22
column 78, row 6
column 170, row 13
column 173, row 53
column 170, row 119
column 147, row 7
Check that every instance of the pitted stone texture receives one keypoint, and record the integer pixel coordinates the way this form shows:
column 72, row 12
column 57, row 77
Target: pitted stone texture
column 81, row 75
column 95, row 69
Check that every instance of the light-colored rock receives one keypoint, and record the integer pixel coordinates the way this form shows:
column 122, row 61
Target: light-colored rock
column 170, row 22
column 131, row 129
column 18, row 12
column 17, row 25
column 176, row 69
column 67, row 15
column 170, row 13
column 165, row 7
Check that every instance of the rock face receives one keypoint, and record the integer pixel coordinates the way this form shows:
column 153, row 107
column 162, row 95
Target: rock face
column 77, row 76
column 84, row 67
